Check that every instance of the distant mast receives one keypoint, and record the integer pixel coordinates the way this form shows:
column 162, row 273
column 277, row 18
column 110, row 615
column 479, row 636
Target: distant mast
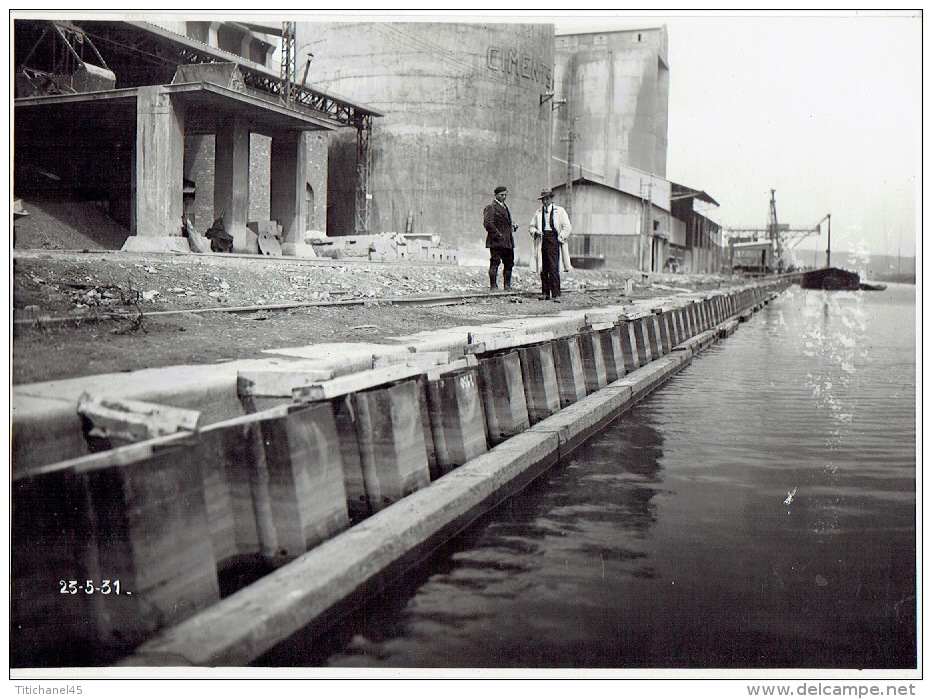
column 828, row 247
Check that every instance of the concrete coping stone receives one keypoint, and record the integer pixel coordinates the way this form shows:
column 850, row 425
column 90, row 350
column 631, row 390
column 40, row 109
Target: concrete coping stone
column 507, row 342
column 353, row 383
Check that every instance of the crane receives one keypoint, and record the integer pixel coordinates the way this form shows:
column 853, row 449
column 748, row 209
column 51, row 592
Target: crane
column 781, row 237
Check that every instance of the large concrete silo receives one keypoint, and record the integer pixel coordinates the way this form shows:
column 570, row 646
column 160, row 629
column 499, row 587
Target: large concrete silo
column 465, row 110
column 616, row 85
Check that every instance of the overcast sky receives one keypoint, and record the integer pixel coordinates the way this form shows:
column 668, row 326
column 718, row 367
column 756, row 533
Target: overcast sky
column 826, row 109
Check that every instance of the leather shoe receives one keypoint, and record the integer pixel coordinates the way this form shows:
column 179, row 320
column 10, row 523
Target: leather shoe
column 555, row 299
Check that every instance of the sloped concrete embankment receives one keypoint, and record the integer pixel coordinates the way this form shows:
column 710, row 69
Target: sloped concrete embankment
column 236, row 505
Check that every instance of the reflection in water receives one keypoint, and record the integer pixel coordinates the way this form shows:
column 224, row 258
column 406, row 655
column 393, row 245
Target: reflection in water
column 669, row 540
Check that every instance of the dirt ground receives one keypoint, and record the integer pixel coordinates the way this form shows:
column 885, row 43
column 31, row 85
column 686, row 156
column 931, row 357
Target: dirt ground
column 94, row 310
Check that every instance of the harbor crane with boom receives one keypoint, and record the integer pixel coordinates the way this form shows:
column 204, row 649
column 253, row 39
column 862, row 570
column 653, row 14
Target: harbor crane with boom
column 758, row 251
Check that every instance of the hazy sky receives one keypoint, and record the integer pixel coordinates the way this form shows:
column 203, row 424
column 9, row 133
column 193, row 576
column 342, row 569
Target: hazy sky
column 824, row 108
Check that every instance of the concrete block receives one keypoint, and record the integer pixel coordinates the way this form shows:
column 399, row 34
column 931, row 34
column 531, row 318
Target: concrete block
column 152, row 534
column 502, row 387
column 642, row 340
column 51, row 543
column 629, row 347
column 391, row 442
column 541, row 388
column 571, row 377
column 357, row 500
column 593, row 361
column 298, row 250
column 457, row 419
column 612, row 353
column 352, row 383
column 306, row 488
column 226, row 456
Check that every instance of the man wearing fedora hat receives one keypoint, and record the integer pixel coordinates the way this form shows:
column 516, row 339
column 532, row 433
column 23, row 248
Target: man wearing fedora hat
column 550, row 228
column 499, row 239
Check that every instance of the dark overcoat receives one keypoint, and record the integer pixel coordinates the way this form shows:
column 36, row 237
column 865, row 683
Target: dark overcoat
column 496, row 219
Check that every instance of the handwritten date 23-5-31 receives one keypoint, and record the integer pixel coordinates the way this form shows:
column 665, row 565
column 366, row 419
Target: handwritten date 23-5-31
column 104, row 587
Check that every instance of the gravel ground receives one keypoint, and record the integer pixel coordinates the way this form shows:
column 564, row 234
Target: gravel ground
column 63, row 302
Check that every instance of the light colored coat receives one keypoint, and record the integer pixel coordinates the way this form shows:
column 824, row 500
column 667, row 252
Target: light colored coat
column 561, row 221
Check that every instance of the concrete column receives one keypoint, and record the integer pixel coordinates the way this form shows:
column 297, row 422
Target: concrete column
column 159, row 173
column 231, row 181
column 286, row 189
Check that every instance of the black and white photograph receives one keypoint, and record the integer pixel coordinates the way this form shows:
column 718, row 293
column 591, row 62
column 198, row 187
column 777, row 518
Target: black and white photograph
column 427, row 346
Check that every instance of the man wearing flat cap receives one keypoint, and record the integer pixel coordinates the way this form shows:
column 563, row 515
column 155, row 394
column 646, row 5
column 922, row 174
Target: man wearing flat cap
column 499, row 239
column 550, row 228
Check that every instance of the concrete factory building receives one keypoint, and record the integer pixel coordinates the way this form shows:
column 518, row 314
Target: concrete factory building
column 119, row 112
column 464, row 111
column 611, row 111
column 202, row 123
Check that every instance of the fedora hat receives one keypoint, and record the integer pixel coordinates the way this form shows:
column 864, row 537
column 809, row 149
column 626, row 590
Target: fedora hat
column 544, row 193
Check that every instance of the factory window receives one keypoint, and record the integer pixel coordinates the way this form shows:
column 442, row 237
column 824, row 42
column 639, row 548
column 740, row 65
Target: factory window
column 639, row 38
column 600, row 40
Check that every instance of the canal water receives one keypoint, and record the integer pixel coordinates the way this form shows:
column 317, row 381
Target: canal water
column 757, row 511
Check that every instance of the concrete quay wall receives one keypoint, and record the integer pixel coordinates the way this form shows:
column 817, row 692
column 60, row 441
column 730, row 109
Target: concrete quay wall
column 335, row 468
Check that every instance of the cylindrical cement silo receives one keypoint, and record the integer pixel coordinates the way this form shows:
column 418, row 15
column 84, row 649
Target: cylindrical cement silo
column 466, row 109
column 616, row 85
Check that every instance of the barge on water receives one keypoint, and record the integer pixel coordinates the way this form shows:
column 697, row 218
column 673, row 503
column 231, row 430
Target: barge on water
column 830, row 278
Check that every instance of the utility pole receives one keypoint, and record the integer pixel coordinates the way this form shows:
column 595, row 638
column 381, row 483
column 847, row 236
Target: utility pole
column 554, row 106
column 288, row 61
column 647, row 218
column 571, row 137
